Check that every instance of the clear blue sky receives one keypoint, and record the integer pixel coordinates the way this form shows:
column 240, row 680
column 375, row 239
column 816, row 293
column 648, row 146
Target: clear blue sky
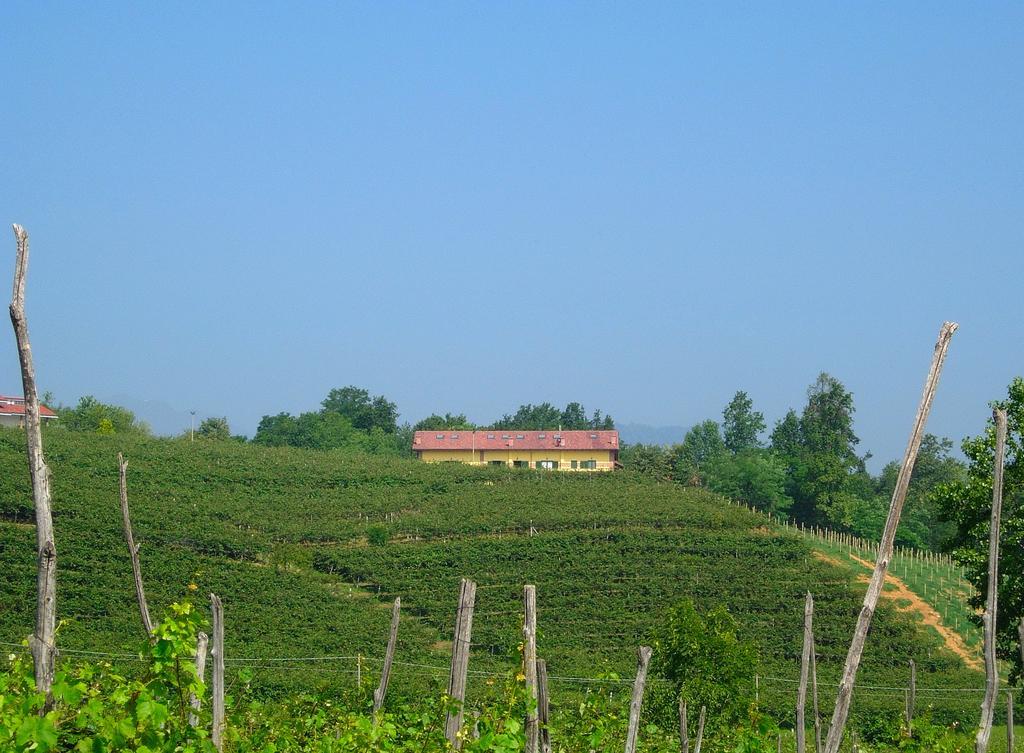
column 464, row 207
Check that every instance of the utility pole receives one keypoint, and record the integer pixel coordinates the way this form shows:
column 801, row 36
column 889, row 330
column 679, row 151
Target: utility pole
column 192, row 428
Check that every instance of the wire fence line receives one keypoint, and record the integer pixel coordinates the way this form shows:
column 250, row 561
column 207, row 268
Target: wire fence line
column 306, row 662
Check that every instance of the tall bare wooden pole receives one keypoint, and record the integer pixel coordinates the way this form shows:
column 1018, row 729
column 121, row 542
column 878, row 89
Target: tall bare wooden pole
column 461, row 642
column 899, row 495
column 635, row 703
column 217, row 734
column 389, row 657
column 684, row 732
column 44, row 652
column 530, row 666
column 133, row 548
column 543, row 706
column 988, row 705
column 805, row 668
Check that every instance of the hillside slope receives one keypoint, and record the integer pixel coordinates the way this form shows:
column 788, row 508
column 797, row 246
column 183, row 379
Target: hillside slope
column 282, row 535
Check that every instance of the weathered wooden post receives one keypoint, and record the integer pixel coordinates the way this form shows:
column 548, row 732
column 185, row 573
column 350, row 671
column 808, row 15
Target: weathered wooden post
column 389, row 657
column 530, row 666
column 700, row 729
column 643, row 659
column 988, row 705
column 133, row 548
column 805, row 668
column 543, row 706
column 911, row 696
column 684, row 732
column 845, row 694
column 217, row 733
column 44, row 652
column 814, row 694
column 201, row 644
column 1009, row 720
column 460, row 660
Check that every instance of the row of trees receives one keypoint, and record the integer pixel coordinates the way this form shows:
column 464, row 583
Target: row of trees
column 808, row 468
column 528, row 417
column 348, row 417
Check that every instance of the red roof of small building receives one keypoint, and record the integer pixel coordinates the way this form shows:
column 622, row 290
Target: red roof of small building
column 15, row 406
column 503, row 439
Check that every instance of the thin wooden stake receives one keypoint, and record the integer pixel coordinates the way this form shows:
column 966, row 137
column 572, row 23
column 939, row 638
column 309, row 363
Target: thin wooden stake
column 1009, row 721
column 217, row 733
column 389, row 657
column 684, row 732
column 988, row 706
column 44, row 652
column 814, row 695
column 911, row 696
column 543, row 709
column 461, row 642
column 133, row 548
column 700, row 729
column 805, row 668
column 195, row 702
column 874, row 591
column 643, row 659
column 530, row 666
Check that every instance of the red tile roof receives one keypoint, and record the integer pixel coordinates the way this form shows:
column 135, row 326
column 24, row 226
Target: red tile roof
column 499, row 439
column 15, row 406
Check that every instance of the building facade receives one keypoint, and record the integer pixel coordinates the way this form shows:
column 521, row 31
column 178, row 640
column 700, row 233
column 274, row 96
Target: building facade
column 12, row 411
column 544, row 450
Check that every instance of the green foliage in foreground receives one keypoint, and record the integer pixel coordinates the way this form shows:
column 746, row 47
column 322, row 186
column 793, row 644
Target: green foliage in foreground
column 709, row 664
column 94, row 709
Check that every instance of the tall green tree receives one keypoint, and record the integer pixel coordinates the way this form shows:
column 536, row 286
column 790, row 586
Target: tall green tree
column 647, row 459
column 756, row 477
column 363, row 411
column 701, row 446
column 447, row 422
column 215, row 427
column 825, row 477
column 104, row 418
column 741, row 424
column 574, row 417
column 967, row 503
column 709, row 662
column 546, row 416
column 922, row 524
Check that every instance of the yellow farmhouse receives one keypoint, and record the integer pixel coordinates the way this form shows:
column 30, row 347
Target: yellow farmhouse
column 550, row 450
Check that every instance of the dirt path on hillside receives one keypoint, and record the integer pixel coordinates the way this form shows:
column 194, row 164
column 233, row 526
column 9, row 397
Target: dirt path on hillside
column 910, row 602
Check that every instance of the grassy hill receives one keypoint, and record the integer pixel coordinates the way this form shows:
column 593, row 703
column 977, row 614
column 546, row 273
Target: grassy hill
column 283, row 537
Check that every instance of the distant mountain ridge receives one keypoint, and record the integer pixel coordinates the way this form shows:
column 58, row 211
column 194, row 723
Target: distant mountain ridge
column 648, row 434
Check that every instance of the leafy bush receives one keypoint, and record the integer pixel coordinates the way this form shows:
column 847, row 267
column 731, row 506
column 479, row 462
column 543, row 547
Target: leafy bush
column 709, row 664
